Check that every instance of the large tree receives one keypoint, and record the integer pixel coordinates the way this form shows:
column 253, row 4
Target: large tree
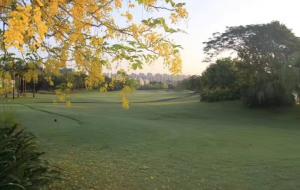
column 93, row 34
column 266, row 53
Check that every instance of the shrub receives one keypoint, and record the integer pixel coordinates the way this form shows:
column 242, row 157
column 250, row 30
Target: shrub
column 192, row 83
column 21, row 165
column 154, row 86
column 219, row 94
column 265, row 94
column 219, row 81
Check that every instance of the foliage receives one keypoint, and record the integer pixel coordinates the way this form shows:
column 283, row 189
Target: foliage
column 15, row 70
column 191, row 83
column 21, row 165
column 267, row 92
column 220, row 81
column 266, row 55
column 93, row 33
column 120, row 80
column 155, row 86
column 218, row 94
column 8, row 65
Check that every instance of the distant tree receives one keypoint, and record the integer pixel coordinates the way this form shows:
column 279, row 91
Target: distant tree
column 121, row 81
column 191, row 83
column 7, row 64
column 33, row 65
column 13, row 67
column 220, row 81
column 266, row 53
column 154, row 85
column 70, row 76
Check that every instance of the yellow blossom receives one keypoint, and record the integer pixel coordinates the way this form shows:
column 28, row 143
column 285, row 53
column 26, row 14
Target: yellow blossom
column 118, row 4
column 128, row 15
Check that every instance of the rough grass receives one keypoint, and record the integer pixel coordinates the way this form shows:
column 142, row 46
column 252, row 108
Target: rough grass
column 167, row 140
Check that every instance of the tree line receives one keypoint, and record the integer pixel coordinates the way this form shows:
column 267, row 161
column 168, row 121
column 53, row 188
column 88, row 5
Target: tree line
column 19, row 77
column 264, row 70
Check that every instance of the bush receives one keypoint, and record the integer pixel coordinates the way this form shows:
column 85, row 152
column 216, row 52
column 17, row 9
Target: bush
column 154, row 86
column 265, row 94
column 21, row 165
column 219, row 81
column 219, row 94
column 192, row 83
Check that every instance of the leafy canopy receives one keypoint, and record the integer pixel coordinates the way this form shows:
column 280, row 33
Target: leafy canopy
column 267, row 55
column 220, row 81
column 93, row 34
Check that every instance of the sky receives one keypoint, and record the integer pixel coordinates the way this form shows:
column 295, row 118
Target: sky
column 209, row 16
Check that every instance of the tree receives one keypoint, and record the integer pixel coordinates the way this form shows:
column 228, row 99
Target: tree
column 266, row 53
column 220, row 81
column 33, row 63
column 191, row 83
column 93, row 34
column 7, row 64
column 14, row 67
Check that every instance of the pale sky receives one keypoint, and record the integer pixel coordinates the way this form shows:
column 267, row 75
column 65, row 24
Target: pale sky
column 209, row 16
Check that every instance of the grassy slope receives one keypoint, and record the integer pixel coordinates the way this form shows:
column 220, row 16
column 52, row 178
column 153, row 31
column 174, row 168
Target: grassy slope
column 165, row 143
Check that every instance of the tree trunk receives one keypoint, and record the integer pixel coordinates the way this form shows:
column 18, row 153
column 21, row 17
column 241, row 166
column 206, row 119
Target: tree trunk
column 24, row 87
column 13, row 92
column 18, row 88
column 33, row 90
column 14, row 85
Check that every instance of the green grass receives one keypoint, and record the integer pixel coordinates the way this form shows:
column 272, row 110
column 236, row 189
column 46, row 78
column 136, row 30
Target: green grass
column 167, row 140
